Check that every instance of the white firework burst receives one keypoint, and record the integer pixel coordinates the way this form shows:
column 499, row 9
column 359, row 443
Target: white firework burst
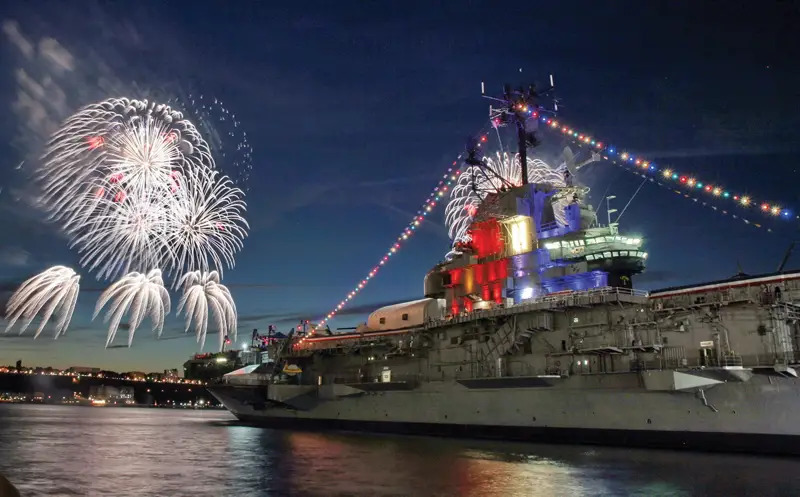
column 474, row 183
column 203, row 294
column 132, row 183
column 53, row 291
column 206, row 224
column 125, row 235
column 143, row 155
column 140, row 294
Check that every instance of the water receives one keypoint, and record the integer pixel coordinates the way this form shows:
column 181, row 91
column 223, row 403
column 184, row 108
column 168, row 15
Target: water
column 54, row 450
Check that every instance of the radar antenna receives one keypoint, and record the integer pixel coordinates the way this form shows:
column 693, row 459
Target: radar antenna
column 521, row 108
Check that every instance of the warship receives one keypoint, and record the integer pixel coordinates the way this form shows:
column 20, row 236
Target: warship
column 532, row 330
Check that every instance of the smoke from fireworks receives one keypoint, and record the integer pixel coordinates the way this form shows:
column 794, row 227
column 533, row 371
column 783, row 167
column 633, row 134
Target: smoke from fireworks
column 143, row 295
column 476, row 182
column 53, row 291
column 203, row 294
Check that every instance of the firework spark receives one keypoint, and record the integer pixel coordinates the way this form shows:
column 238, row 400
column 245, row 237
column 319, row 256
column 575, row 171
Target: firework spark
column 224, row 133
column 53, row 291
column 140, row 294
column 202, row 294
column 133, row 185
column 475, row 183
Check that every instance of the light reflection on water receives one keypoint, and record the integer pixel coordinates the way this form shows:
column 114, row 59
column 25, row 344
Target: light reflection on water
column 48, row 450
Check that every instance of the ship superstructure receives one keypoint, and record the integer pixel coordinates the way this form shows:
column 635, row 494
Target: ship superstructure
column 534, row 331
column 518, row 251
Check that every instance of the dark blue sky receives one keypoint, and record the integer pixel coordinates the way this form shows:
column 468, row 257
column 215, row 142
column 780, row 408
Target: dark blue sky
column 354, row 110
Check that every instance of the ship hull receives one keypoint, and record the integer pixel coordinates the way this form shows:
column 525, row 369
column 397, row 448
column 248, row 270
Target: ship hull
column 758, row 416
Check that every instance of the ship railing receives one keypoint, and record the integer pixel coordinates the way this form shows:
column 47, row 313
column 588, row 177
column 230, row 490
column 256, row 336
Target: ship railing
column 594, row 296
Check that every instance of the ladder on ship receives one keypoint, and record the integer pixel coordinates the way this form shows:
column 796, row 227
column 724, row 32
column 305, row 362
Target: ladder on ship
column 498, row 345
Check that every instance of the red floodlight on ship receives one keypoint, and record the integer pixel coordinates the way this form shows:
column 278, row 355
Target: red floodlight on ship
column 487, row 238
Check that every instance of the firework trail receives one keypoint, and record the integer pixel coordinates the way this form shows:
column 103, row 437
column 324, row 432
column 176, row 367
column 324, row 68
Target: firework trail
column 202, row 294
column 133, row 185
column 140, row 294
column 474, row 183
column 53, row 291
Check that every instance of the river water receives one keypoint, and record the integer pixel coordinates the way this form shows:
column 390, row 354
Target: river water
column 54, row 450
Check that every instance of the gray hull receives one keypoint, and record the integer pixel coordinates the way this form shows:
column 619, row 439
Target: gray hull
column 632, row 409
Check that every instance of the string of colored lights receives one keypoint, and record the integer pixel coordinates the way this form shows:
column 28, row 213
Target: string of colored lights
column 698, row 200
column 688, row 181
column 433, row 200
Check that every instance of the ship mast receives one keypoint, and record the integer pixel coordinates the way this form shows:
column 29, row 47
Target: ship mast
column 521, row 108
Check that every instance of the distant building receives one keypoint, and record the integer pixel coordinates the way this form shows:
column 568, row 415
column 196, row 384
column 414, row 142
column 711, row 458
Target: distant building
column 206, row 367
column 83, row 370
column 111, row 393
column 171, row 374
column 135, row 375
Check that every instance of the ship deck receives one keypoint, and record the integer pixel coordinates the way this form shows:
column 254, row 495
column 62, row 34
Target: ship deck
column 559, row 302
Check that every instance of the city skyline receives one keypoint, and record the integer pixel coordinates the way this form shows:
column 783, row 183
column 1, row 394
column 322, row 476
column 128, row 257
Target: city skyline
column 353, row 117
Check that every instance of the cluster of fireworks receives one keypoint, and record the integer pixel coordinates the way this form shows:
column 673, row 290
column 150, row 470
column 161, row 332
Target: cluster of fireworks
column 475, row 183
column 134, row 187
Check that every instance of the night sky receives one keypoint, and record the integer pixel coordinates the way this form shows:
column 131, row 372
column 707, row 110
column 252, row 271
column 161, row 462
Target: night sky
column 355, row 109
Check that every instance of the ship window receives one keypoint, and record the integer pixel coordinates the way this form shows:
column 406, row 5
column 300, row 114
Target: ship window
column 383, row 320
column 615, row 254
column 563, row 345
column 623, row 253
column 454, row 341
column 405, row 317
column 607, row 255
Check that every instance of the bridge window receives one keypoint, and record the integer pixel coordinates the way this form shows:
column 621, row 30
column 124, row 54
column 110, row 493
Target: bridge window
column 383, row 320
column 405, row 317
